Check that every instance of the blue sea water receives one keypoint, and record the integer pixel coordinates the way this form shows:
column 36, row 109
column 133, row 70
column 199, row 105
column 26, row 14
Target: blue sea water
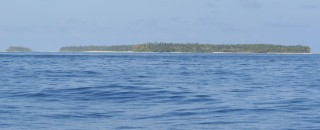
column 159, row 91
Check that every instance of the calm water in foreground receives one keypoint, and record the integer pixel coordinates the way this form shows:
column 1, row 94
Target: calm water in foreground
column 159, row 91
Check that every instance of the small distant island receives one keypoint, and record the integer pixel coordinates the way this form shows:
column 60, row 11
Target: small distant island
column 192, row 48
column 18, row 49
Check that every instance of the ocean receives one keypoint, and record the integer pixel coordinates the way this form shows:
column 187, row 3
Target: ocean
column 94, row 91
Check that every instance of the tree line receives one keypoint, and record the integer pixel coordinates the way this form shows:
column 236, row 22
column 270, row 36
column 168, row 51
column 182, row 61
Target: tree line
column 96, row 48
column 18, row 49
column 194, row 48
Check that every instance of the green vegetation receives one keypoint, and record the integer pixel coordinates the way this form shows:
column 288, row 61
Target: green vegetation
column 18, row 49
column 194, row 48
column 96, row 48
column 208, row 48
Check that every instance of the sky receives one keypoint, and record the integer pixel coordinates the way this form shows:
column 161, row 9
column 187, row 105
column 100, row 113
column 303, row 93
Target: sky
column 47, row 25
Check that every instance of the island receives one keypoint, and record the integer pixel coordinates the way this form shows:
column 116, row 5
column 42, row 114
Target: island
column 119, row 48
column 192, row 48
column 18, row 49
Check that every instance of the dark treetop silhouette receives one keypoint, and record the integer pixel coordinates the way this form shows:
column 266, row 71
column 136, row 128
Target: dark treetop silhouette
column 18, row 49
column 194, row 47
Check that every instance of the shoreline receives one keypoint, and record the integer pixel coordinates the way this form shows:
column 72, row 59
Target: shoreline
column 187, row 52
column 166, row 52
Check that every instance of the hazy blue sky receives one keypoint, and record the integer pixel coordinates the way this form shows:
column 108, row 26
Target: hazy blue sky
column 47, row 25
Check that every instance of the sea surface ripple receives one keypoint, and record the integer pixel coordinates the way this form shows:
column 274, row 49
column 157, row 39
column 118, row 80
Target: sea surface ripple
column 159, row 91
